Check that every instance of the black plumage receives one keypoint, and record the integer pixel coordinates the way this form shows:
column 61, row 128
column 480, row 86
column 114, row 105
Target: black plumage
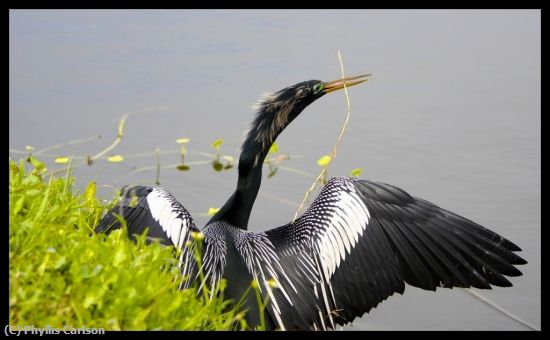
column 358, row 243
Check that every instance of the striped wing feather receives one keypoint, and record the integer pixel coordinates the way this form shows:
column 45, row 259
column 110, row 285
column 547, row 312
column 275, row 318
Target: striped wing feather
column 157, row 211
column 360, row 241
column 153, row 209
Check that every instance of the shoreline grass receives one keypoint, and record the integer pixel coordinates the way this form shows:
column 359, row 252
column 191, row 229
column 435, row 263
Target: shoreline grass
column 62, row 274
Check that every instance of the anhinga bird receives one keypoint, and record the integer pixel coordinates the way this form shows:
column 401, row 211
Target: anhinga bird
column 358, row 243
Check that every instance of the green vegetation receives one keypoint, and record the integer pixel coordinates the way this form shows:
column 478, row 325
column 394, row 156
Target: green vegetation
column 62, row 274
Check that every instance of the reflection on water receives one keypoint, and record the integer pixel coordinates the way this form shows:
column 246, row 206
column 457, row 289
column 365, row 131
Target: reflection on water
column 452, row 115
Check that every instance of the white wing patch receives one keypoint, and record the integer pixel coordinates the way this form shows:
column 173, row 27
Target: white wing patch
column 262, row 262
column 214, row 257
column 176, row 222
column 171, row 216
column 178, row 226
column 337, row 219
column 341, row 231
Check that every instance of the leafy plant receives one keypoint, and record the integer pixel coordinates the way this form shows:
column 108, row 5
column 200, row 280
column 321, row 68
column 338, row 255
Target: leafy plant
column 356, row 172
column 63, row 274
column 217, row 165
column 183, row 153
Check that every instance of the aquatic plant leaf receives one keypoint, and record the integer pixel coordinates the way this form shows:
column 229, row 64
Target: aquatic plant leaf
column 217, row 144
column 356, row 172
column 324, row 161
column 212, row 211
column 116, row 159
column 62, row 160
column 183, row 140
column 274, row 148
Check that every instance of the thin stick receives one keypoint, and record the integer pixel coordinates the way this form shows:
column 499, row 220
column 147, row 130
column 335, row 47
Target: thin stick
column 117, row 140
column 150, row 168
column 278, row 199
column 498, row 308
column 21, row 152
column 90, row 159
column 72, row 142
column 296, row 171
column 334, row 149
column 149, row 154
column 157, row 152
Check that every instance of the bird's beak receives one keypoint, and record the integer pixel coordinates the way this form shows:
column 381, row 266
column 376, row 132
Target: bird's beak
column 340, row 83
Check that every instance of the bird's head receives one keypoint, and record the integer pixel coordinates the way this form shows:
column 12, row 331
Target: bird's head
column 277, row 110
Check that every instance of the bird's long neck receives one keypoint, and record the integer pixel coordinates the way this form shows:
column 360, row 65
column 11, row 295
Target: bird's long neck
column 270, row 121
column 236, row 211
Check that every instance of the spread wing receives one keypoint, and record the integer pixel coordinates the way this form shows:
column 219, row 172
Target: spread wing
column 157, row 211
column 360, row 241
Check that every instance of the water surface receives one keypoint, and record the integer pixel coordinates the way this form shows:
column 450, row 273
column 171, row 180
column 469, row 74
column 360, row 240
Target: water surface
column 451, row 115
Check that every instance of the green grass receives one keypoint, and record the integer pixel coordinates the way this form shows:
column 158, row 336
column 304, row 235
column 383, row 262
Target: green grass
column 62, row 274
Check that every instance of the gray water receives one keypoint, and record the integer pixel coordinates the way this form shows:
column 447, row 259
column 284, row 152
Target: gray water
column 451, row 115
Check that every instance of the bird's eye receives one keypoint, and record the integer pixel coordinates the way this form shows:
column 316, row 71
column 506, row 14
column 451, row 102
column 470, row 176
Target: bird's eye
column 317, row 88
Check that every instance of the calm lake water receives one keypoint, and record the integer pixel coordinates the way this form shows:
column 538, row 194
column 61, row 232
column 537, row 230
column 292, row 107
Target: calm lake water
column 452, row 115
